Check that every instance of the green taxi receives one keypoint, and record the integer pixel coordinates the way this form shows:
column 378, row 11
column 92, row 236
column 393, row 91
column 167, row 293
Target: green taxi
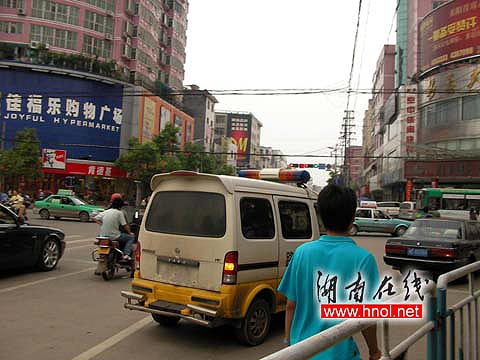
column 66, row 205
column 375, row 220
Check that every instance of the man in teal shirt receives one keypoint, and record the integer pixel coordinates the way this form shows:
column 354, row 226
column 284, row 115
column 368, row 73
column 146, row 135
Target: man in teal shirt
column 332, row 269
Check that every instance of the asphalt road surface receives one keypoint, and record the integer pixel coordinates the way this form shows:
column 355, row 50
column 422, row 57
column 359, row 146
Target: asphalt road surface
column 72, row 314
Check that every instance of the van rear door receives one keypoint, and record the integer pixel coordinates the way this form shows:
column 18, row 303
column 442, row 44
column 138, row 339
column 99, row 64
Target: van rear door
column 184, row 234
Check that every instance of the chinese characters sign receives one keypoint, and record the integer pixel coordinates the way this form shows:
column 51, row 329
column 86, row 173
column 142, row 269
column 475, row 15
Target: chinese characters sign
column 459, row 169
column 64, row 111
column 450, row 33
column 89, row 170
column 411, row 112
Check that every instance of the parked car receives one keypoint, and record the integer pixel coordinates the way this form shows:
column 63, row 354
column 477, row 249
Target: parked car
column 435, row 245
column 375, row 220
column 69, row 206
column 392, row 208
column 407, row 210
column 23, row 245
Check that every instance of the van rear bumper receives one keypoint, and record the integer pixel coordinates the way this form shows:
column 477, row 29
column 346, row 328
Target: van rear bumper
column 192, row 313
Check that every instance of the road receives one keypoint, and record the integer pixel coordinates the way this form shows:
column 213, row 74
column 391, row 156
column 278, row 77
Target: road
column 72, row 314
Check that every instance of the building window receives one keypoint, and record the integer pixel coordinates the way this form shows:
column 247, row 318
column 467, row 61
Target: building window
column 55, row 37
column 11, row 27
column 97, row 22
column 95, row 46
column 50, row 10
column 11, row 3
column 471, row 107
column 103, row 4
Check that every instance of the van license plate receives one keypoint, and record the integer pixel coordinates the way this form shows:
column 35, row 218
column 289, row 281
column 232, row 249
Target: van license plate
column 417, row 252
column 104, row 251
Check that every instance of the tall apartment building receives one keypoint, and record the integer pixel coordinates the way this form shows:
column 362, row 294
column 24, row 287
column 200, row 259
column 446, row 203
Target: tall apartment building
column 145, row 38
column 354, row 164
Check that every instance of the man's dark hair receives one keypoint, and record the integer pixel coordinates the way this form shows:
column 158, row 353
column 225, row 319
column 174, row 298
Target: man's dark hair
column 117, row 203
column 336, row 206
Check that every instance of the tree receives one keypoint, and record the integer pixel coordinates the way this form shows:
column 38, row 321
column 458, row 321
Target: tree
column 163, row 154
column 23, row 160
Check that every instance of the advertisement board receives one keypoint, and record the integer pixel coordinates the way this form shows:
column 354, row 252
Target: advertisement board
column 239, row 130
column 54, row 159
column 164, row 117
column 81, row 116
column 149, row 114
column 89, row 170
column 450, row 33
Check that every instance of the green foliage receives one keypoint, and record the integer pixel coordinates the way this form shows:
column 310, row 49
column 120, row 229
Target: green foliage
column 24, row 159
column 162, row 155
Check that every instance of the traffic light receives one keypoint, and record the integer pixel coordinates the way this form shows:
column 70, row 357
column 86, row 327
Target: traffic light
column 320, row 166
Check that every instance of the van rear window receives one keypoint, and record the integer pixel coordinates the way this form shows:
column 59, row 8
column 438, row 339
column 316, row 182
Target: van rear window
column 187, row 213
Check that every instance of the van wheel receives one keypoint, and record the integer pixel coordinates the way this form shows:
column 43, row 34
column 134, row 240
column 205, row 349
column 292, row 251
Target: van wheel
column 353, row 230
column 167, row 321
column 256, row 324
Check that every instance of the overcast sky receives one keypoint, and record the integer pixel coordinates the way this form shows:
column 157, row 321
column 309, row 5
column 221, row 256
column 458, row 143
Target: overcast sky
column 245, row 44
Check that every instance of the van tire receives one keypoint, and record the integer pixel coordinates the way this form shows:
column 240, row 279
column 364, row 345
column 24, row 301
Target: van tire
column 167, row 321
column 353, row 231
column 255, row 326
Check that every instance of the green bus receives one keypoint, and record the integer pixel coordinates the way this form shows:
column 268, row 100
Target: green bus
column 453, row 203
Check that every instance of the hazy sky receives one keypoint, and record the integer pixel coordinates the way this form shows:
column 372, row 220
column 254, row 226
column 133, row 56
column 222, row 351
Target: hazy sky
column 245, row 44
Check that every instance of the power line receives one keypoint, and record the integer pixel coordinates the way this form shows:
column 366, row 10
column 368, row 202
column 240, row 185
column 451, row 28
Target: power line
column 193, row 152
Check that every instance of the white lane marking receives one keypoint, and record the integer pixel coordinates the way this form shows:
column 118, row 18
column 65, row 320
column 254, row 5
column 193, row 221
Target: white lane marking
column 73, row 236
column 79, row 247
column 81, row 240
column 98, row 349
column 12, row 288
column 91, row 262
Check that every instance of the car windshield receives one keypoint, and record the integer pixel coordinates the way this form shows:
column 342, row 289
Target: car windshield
column 77, row 201
column 437, row 229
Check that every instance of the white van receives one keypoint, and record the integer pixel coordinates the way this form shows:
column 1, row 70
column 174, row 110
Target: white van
column 407, row 210
column 214, row 249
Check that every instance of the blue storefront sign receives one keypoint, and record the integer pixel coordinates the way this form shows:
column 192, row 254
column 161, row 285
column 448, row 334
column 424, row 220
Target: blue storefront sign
column 81, row 116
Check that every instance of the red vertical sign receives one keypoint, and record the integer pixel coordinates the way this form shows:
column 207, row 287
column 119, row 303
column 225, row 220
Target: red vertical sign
column 408, row 190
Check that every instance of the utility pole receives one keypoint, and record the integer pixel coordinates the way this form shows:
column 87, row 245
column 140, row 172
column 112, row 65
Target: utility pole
column 346, row 138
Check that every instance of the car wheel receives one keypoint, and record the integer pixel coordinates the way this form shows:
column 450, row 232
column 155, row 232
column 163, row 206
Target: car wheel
column 400, row 231
column 44, row 214
column 49, row 255
column 84, row 217
column 256, row 324
column 167, row 321
column 353, row 230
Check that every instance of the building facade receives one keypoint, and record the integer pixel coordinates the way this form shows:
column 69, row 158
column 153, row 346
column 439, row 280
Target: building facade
column 140, row 41
column 245, row 130
column 354, row 164
column 201, row 105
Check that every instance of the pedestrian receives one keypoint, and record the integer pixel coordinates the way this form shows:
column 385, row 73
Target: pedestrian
column 40, row 194
column 473, row 214
column 17, row 203
column 334, row 255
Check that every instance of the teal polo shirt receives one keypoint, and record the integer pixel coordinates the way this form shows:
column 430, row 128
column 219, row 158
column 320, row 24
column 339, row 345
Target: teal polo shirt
column 308, row 281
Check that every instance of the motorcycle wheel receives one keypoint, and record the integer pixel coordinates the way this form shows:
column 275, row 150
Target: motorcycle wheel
column 109, row 274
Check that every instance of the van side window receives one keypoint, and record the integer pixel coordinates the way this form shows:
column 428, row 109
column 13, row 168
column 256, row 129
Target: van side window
column 257, row 218
column 295, row 219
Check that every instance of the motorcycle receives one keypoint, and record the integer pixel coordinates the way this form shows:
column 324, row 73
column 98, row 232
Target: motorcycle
column 110, row 258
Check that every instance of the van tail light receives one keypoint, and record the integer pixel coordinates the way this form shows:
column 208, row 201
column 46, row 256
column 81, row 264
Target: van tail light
column 442, row 252
column 138, row 251
column 230, row 268
column 395, row 249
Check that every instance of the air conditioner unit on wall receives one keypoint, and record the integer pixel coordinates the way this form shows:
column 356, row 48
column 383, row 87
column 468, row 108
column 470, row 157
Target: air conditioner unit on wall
column 21, row 11
column 34, row 44
column 126, row 52
column 109, row 36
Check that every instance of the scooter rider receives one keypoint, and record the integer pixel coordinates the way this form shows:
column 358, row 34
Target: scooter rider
column 111, row 220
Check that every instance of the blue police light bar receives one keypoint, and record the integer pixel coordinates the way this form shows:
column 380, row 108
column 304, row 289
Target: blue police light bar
column 279, row 175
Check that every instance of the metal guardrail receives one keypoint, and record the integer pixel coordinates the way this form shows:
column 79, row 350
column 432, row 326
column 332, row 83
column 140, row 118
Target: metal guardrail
column 468, row 346
column 435, row 328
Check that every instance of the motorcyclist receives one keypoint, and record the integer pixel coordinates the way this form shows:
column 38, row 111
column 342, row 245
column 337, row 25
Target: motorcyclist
column 111, row 220
column 17, row 203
